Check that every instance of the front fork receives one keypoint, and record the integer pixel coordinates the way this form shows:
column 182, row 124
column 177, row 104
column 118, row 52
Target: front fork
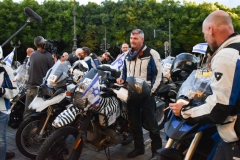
column 80, row 133
column 49, row 113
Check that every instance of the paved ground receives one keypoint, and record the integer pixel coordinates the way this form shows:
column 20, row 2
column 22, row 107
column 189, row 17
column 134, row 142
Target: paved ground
column 118, row 152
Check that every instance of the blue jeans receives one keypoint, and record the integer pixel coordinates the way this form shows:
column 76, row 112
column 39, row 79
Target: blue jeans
column 3, row 139
column 136, row 114
column 227, row 151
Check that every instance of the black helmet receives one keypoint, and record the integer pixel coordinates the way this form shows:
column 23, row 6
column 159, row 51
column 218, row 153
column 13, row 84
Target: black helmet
column 182, row 66
column 138, row 90
column 72, row 58
column 81, row 65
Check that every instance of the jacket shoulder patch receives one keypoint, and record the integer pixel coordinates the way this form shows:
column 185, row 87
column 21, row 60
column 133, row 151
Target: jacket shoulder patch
column 218, row 75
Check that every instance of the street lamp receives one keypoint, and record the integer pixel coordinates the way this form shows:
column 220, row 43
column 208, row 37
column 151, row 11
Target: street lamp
column 119, row 46
column 74, row 28
column 16, row 47
column 168, row 44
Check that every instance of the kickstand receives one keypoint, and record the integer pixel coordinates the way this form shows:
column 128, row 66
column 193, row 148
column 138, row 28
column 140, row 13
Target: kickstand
column 107, row 153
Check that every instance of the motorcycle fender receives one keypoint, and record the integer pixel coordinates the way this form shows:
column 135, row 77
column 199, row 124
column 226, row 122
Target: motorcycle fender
column 40, row 104
column 170, row 153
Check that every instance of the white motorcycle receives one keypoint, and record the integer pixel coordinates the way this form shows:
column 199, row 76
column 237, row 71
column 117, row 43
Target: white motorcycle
column 52, row 99
column 100, row 126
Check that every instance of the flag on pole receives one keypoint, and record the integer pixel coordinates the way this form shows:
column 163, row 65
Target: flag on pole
column 200, row 48
column 118, row 63
column 92, row 93
column 8, row 60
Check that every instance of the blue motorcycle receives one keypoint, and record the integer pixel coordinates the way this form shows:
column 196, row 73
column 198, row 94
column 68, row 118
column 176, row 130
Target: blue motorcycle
column 185, row 140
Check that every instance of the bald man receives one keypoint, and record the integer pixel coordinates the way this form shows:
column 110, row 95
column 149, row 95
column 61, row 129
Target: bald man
column 124, row 47
column 223, row 106
column 78, row 53
column 64, row 57
column 29, row 52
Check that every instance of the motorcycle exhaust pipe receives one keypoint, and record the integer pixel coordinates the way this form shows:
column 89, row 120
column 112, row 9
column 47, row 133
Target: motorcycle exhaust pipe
column 102, row 142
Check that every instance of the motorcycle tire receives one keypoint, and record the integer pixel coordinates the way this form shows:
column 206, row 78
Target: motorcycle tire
column 27, row 137
column 56, row 145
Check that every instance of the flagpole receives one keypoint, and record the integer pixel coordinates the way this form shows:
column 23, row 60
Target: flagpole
column 16, row 47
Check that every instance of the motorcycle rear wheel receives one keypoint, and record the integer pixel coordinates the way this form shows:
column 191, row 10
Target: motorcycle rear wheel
column 27, row 137
column 57, row 145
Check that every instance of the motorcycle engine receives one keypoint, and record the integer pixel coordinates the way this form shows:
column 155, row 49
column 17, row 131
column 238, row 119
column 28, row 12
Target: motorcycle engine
column 103, row 137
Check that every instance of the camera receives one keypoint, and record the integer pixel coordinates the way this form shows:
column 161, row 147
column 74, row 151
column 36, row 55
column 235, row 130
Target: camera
column 48, row 46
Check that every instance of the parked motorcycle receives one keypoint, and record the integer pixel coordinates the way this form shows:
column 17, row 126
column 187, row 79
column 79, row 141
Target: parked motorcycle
column 18, row 102
column 176, row 71
column 101, row 127
column 186, row 140
column 51, row 100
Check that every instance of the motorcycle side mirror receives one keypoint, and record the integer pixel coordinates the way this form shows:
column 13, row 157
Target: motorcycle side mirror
column 165, row 80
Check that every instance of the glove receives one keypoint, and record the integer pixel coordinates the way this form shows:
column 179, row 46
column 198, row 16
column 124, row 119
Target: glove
column 2, row 91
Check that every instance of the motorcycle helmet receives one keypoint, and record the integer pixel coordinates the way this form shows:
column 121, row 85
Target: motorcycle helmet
column 79, row 69
column 72, row 58
column 138, row 90
column 182, row 67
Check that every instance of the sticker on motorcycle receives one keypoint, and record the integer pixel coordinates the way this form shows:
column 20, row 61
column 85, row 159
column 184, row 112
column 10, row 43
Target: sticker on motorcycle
column 52, row 78
column 167, row 65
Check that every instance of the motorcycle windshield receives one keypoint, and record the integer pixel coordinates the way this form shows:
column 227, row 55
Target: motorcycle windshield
column 58, row 72
column 87, row 79
column 196, row 87
column 166, row 65
column 167, row 62
column 22, row 75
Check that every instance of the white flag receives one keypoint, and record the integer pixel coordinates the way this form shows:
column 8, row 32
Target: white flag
column 8, row 60
column 118, row 63
column 92, row 93
column 200, row 48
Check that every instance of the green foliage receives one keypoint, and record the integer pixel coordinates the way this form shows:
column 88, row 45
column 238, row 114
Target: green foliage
column 119, row 18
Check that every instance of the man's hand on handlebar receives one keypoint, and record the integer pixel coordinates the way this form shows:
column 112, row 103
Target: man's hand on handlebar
column 120, row 81
column 176, row 108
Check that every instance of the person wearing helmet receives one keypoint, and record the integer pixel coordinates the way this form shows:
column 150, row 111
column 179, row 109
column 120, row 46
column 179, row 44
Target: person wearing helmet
column 72, row 57
column 223, row 106
column 143, row 64
column 40, row 62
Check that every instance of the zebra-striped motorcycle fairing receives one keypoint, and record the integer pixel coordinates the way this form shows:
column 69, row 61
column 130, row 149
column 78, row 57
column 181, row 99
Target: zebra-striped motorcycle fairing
column 109, row 108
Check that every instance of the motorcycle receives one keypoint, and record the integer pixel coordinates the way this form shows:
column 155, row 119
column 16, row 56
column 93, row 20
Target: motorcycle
column 52, row 99
column 175, row 72
column 101, row 126
column 186, row 140
column 18, row 102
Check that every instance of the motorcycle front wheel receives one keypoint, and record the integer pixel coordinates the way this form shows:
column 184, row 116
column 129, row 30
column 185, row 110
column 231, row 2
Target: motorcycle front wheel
column 28, row 139
column 58, row 145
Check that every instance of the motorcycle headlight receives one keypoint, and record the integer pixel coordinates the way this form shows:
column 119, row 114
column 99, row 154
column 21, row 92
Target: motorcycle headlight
column 78, row 100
